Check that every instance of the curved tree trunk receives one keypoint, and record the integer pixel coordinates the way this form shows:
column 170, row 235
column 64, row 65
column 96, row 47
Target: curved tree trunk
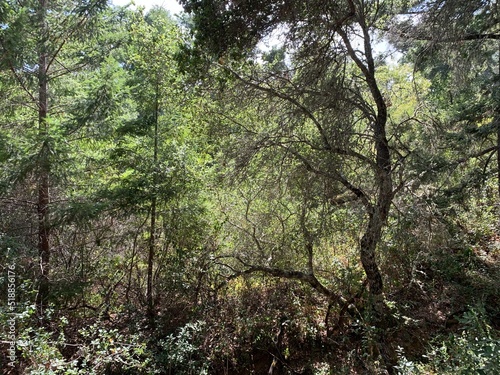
column 378, row 212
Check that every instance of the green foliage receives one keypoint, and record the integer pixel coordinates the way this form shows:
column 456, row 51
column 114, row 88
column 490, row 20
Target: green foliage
column 99, row 349
column 212, row 222
column 474, row 350
column 107, row 350
column 180, row 353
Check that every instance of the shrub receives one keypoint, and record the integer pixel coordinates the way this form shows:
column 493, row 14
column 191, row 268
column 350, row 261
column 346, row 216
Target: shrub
column 474, row 350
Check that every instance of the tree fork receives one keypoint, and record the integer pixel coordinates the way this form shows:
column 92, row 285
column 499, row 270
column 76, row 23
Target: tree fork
column 379, row 212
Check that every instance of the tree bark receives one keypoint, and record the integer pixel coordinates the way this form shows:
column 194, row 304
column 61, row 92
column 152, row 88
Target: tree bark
column 151, row 256
column 497, row 119
column 378, row 212
column 368, row 246
column 44, row 166
column 498, row 151
column 152, row 228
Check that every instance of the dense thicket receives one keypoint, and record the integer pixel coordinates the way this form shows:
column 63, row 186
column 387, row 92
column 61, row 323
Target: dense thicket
column 257, row 187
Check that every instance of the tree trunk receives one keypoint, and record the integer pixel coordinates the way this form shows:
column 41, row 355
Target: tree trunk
column 379, row 212
column 497, row 119
column 368, row 247
column 44, row 166
column 152, row 228
column 151, row 256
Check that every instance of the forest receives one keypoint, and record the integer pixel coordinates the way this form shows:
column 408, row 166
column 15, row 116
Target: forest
column 250, row 187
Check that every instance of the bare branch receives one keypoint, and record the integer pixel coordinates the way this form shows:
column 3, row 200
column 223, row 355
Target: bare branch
column 303, row 277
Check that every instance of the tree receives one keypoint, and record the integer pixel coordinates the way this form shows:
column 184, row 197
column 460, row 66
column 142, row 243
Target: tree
column 38, row 42
column 455, row 43
column 326, row 110
column 151, row 64
column 153, row 163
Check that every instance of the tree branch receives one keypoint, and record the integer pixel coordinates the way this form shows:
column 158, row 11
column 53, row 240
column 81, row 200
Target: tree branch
column 336, row 176
column 283, row 96
column 463, row 38
column 303, row 277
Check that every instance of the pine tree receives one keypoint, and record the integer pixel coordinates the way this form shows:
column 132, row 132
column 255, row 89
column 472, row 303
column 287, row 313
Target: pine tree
column 42, row 43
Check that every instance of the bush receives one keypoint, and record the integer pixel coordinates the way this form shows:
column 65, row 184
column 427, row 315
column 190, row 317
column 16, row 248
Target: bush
column 100, row 350
column 180, row 353
column 474, row 350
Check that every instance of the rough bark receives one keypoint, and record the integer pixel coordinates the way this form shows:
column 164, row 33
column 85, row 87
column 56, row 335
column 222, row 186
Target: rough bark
column 378, row 212
column 151, row 256
column 44, row 166
column 152, row 228
column 497, row 119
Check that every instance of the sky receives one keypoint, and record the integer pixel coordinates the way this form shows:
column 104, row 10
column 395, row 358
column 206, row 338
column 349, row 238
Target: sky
column 171, row 5
column 174, row 8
